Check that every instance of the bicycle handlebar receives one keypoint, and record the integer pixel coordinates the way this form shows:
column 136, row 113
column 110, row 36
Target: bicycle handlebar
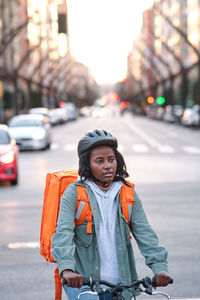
column 91, row 281
column 145, row 285
column 153, row 281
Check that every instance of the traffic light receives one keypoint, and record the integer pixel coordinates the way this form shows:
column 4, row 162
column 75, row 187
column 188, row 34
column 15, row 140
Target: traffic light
column 150, row 100
column 160, row 100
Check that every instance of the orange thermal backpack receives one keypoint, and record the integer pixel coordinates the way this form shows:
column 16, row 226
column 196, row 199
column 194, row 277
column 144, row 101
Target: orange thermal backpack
column 56, row 184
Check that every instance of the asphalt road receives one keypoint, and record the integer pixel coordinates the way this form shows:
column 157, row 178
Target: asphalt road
column 163, row 161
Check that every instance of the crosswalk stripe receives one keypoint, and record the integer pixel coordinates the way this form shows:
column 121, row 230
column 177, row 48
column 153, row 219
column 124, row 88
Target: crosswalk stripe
column 166, row 149
column 191, row 149
column 70, row 147
column 140, row 148
column 137, row 148
column 54, row 146
column 24, row 245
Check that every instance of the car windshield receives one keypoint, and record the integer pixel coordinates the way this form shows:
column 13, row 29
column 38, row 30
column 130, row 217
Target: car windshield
column 38, row 113
column 25, row 122
column 4, row 138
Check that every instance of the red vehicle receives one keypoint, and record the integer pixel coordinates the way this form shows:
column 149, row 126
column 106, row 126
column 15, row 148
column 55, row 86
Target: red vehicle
column 8, row 156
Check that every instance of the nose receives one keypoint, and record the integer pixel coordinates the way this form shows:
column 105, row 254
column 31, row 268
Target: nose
column 107, row 165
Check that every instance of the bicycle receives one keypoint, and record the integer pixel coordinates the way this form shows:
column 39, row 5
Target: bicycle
column 144, row 285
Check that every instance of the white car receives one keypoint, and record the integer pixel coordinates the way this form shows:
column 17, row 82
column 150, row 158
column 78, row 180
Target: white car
column 173, row 113
column 30, row 131
column 72, row 111
column 58, row 116
column 39, row 110
column 44, row 111
column 191, row 116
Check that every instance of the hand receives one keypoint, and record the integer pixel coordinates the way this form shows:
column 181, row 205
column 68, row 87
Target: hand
column 73, row 279
column 162, row 279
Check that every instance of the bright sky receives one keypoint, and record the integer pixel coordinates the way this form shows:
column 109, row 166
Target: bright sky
column 101, row 33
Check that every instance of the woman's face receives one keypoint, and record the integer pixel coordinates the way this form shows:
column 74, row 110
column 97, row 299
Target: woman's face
column 103, row 163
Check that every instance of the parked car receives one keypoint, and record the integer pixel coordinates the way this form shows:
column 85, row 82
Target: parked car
column 86, row 111
column 98, row 111
column 8, row 157
column 72, row 111
column 39, row 110
column 160, row 113
column 191, row 116
column 30, row 131
column 173, row 113
column 58, row 116
column 151, row 112
column 53, row 117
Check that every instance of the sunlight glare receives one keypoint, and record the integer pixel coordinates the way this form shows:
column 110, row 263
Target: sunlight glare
column 102, row 33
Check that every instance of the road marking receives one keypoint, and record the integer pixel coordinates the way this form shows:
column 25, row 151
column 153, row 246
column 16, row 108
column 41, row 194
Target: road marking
column 70, row 147
column 140, row 148
column 191, row 149
column 151, row 141
column 154, row 143
column 54, row 146
column 166, row 149
column 24, row 245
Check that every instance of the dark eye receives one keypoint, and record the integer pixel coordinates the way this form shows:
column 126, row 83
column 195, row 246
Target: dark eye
column 111, row 159
column 99, row 161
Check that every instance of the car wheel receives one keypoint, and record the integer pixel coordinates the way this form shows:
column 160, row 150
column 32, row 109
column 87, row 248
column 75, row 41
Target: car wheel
column 48, row 146
column 15, row 181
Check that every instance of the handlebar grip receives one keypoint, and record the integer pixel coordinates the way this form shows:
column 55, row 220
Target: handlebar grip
column 64, row 281
column 86, row 281
column 153, row 282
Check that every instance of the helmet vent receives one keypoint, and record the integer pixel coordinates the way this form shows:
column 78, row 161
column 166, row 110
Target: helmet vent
column 98, row 132
column 90, row 134
column 105, row 132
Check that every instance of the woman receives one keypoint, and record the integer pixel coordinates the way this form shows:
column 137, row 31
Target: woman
column 106, row 253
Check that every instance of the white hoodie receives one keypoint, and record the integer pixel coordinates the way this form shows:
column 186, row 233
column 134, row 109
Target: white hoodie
column 106, row 239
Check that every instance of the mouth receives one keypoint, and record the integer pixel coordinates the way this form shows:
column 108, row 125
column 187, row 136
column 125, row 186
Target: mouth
column 108, row 174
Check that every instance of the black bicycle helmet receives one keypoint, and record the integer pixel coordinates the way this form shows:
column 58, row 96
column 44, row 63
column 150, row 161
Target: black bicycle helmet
column 96, row 138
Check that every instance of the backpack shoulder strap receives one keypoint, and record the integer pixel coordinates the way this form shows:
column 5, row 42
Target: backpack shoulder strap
column 83, row 210
column 127, row 200
column 58, row 285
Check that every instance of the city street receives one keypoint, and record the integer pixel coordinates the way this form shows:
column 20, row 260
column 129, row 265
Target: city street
column 163, row 161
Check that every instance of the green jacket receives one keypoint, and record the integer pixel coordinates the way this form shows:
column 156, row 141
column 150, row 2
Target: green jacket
column 72, row 248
